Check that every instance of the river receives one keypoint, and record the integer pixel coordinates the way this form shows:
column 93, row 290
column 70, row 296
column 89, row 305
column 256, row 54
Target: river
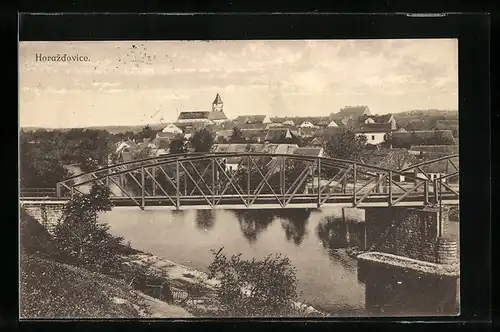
column 327, row 278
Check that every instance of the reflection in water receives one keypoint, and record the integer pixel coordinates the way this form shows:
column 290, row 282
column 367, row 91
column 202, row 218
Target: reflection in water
column 205, row 219
column 294, row 223
column 252, row 223
column 338, row 233
column 395, row 291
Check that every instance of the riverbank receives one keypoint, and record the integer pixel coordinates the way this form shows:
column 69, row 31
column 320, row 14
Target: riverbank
column 193, row 289
column 50, row 289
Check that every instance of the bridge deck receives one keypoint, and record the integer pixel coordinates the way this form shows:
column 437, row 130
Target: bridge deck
column 262, row 202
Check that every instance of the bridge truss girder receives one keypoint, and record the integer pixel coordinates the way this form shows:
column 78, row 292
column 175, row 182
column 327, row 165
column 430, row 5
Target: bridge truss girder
column 281, row 180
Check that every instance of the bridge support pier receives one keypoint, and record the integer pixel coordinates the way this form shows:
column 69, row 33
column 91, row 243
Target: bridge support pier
column 412, row 266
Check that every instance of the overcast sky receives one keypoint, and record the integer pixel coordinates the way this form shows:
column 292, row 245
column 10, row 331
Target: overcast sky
column 141, row 82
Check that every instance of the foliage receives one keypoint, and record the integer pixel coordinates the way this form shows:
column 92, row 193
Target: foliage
column 178, row 145
column 237, row 136
column 345, row 145
column 38, row 167
column 202, row 141
column 81, row 240
column 43, row 153
column 146, row 132
column 254, row 288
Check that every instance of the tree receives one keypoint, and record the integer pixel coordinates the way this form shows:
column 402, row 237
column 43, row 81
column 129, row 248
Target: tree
column 237, row 136
column 344, row 144
column 81, row 240
column 202, row 141
column 38, row 167
column 178, row 145
column 388, row 141
column 146, row 132
column 254, row 288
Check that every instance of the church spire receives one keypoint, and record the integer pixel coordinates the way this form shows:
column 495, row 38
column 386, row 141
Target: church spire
column 217, row 105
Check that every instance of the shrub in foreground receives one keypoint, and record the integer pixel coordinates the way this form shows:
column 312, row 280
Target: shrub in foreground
column 82, row 240
column 254, row 288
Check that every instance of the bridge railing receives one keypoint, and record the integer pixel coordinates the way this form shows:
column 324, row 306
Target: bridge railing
column 37, row 192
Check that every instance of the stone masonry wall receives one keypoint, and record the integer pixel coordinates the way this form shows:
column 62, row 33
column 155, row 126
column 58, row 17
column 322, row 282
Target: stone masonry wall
column 411, row 233
column 48, row 215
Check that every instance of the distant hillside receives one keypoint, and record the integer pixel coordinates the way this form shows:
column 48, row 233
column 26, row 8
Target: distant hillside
column 430, row 112
column 401, row 117
column 111, row 129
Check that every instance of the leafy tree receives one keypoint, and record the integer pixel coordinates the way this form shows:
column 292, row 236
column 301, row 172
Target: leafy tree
column 388, row 141
column 81, row 240
column 178, row 145
column 38, row 167
column 146, row 132
column 344, row 144
column 237, row 136
column 202, row 141
column 254, row 288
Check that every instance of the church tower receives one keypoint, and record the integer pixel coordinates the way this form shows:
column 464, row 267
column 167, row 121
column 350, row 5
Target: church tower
column 217, row 105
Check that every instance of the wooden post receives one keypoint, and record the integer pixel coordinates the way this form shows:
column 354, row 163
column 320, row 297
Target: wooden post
column 58, row 190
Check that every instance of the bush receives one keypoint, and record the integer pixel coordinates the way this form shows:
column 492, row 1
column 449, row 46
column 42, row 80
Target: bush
column 81, row 240
column 254, row 288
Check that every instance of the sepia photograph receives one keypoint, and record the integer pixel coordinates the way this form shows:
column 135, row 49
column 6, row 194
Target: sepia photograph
column 239, row 179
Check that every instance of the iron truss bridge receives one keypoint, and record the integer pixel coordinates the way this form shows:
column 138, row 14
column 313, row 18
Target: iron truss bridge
column 257, row 180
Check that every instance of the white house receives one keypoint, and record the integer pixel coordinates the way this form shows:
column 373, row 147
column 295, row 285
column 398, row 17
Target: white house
column 171, row 128
column 332, row 124
column 373, row 137
column 307, row 124
column 289, row 123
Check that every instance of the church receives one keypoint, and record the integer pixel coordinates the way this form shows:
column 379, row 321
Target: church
column 202, row 117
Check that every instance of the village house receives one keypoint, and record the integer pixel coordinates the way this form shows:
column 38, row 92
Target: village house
column 278, row 135
column 332, row 124
column 125, row 150
column 307, row 131
column 252, row 119
column 371, row 119
column 310, row 152
column 422, row 137
column 375, row 133
column 171, row 128
column 233, row 163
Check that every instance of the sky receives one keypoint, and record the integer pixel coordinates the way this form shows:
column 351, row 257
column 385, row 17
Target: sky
column 145, row 82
